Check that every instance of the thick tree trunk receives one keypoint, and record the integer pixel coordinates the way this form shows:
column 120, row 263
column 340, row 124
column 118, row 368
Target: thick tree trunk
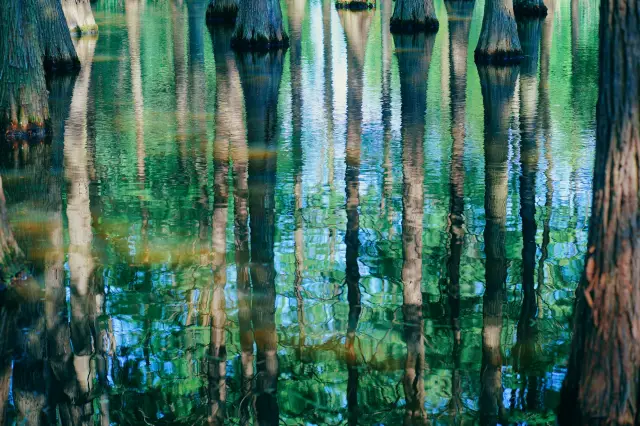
column 414, row 16
column 260, row 75
column 497, row 93
column 499, row 43
column 603, row 377
column 259, row 26
column 222, row 12
column 525, row 351
column 356, row 28
column 529, row 9
column 459, row 13
column 79, row 17
column 414, row 58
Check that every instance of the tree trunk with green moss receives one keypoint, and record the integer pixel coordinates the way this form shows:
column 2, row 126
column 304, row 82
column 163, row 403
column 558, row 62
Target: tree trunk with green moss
column 259, row 26
column 499, row 43
column 411, row 16
column 602, row 386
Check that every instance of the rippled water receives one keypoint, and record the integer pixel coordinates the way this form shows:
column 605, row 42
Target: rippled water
column 364, row 230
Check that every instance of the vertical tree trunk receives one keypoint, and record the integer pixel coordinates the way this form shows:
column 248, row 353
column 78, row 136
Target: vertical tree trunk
column 529, row 9
column 356, row 28
column 222, row 12
column 414, row 58
column 411, row 16
column 525, row 349
column 259, row 26
column 79, row 17
column 260, row 75
column 497, row 92
column 499, row 43
column 602, row 382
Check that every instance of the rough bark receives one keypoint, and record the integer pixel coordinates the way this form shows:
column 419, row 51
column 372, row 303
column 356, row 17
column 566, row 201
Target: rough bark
column 499, row 43
column 603, row 376
column 414, row 58
column 529, row 9
column 259, row 26
column 497, row 93
column 222, row 12
column 414, row 16
column 260, row 75
column 79, row 17
column 525, row 350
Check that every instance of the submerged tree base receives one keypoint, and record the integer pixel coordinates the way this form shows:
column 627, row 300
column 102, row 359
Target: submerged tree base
column 355, row 5
column 429, row 25
column 259, row 44
column 529, row 9
column 84, row 31
column 498, row 58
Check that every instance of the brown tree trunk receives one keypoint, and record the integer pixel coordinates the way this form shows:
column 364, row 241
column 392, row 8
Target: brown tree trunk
column 222, row 12
column 414, row 58
column 411, row 16
column 79, row 17
column 261, row 102
column 602, row 382
column 497, row 93
column 259, row 26
column 499, row 43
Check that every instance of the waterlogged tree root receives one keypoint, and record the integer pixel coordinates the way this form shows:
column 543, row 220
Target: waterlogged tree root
column 355, row 5
column 430, row 25
column 259, row 44
column 498, row 58
column 529, row 10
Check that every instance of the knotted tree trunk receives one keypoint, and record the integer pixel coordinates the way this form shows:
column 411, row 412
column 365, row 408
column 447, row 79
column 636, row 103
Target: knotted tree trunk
column 414, row 16
column 602, row 385
column 79, row 17
column 497, row 94
column 222, row 12
column 259, row 26
column 499, row 43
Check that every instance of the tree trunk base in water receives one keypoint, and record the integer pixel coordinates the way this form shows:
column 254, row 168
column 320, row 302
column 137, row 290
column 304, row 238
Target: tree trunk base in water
column 355, row 5
column 84, row 31
column 529, row 9
column 429, row 25
column 499, row 58
column 217, row 15
column 259, row 44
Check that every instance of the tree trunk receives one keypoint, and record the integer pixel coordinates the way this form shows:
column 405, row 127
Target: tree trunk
column 499, row 43
column 222, row 12
column 529, row 9
column 414, row 16
column 602, row 382
column 261, row 102
column 414, row 58
column 259, row 26
column 497, row 92
column 79, row 17
column 525, row 351
column 355, row 4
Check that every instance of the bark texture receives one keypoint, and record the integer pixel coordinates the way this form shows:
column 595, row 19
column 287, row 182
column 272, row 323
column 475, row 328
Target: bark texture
column 414, row 16
column 79, row 17
column 497, row 93
column 222, row 11
column 499, row 43
column 259, row 26
column 603, row 377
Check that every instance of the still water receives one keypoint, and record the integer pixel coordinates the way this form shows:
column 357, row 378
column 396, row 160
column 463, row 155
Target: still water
column 367, row 229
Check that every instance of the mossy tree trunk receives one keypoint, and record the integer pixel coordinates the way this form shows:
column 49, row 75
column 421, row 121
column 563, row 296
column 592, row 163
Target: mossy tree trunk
column 259, row 26
column 79, row 17
column 414, row 16
column 497, row 93
column 414, row 58
column 260, row 75
column 499, row 43
column 602, row 385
